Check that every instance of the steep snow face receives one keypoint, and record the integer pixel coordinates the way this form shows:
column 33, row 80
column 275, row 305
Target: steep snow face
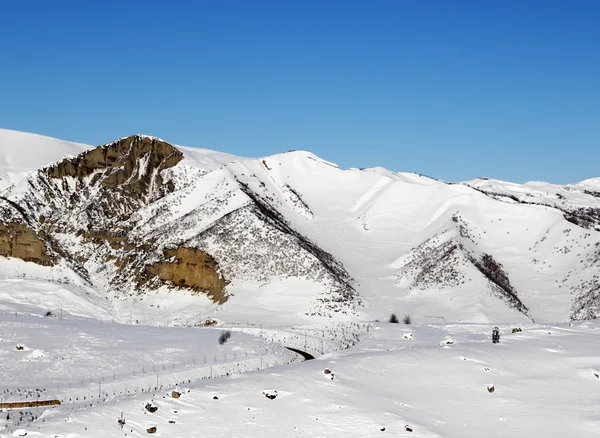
column 22, row 153
column 295, row 237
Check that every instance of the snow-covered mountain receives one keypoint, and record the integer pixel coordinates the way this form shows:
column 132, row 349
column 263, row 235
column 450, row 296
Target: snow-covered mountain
column 178, row 234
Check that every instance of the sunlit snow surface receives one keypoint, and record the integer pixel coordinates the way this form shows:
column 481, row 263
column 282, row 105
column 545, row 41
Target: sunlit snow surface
column 431, row 377
column 398, row 375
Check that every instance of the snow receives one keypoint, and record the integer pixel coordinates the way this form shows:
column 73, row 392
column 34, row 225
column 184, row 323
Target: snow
column 22, row 153
column 543, row 378
column 373, row 221
column 205, row 159
column 410, row 244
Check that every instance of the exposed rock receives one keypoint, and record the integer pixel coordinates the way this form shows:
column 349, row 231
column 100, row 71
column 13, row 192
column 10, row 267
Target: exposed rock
column 175, row 394
column 271, row 394
column 119, row 164
column 491, row 388
column 150, row 408
column 517, row 330
column 20, row 241
column 190, row 268
column 408, row 428
column 151, row 429
column 329, row 373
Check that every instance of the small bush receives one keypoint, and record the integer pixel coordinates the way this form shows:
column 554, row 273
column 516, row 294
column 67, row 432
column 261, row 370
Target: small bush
column 224, row 336
column 407, row 319
column 393, row 318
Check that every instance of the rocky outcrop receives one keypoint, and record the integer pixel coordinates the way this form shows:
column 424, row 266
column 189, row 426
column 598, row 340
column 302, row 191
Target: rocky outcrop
column 20, row 241
column 108, row 183
column 188, row 268
column 92, row 197
column 133, row 163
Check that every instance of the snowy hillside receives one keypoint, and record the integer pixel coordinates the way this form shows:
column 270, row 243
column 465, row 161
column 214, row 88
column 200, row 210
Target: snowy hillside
column 140, row 223
column 22, row 153
column 148, row 288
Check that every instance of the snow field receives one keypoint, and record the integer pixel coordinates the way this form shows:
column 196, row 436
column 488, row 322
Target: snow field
column 64, row 356
column 397, row 376
column 85, row 363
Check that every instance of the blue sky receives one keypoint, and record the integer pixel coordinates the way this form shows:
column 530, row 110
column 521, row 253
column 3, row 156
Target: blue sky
column 453, row 89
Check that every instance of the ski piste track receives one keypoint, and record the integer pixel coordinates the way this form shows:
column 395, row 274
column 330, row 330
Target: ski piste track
column 303, row 342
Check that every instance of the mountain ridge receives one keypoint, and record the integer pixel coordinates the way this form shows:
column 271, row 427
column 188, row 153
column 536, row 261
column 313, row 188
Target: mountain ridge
column 227, row 234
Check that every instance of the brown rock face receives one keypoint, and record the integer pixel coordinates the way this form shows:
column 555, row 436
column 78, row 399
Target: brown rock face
column 191, row 268
column 133, row 164
column 93, row 197
column 20, row 241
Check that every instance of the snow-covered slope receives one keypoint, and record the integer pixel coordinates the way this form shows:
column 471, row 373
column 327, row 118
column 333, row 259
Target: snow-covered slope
column 96, row 244
column 429, row 381
column 295, row 238
column 22, row 153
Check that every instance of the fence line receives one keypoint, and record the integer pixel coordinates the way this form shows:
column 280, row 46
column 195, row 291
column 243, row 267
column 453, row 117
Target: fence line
column 99, row 393
column 86, row 393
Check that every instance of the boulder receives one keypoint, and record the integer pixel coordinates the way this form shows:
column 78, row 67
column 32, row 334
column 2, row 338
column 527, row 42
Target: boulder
column 517, row 330
column 271, row 394
column 150, row 408
column 175, row 394
column 408, row 428
column 491, row 388
column 151, row 429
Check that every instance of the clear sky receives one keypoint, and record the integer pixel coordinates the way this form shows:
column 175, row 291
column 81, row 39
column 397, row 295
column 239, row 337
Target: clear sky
column 453, row 89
